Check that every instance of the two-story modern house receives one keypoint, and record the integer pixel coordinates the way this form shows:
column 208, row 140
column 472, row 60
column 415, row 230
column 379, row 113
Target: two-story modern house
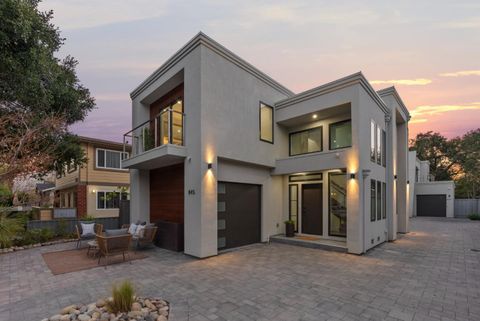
column 97, row 187
column 219, row 146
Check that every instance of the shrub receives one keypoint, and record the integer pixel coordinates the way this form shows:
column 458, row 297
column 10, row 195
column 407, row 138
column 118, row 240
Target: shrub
column 6, row 196
column 34, row 236
column 9, row 227
column 474, row 217
column 123, row 297
column 88, row 218
column 61, row 229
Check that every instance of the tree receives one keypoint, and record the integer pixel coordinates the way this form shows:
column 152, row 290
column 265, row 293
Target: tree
column 40, row 94
column 468, row 183
column 441, row 153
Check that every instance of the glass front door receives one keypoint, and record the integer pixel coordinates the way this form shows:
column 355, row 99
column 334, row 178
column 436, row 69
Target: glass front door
column 337, row 216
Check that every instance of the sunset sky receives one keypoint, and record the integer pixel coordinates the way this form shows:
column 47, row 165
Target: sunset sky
column 430, row 50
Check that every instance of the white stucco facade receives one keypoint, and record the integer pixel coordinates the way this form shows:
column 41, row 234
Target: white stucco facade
column 221, row 97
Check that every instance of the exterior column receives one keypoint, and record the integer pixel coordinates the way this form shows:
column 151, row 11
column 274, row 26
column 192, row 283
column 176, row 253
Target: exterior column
column 402, row 170
column 390, row 172
column 139, row 195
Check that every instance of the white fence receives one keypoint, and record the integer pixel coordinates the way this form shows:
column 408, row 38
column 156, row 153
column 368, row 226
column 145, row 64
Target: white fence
column 465, row 207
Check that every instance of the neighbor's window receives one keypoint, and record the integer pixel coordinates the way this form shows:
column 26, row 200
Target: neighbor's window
column 341, row 134
column 110, row 159
column 266, row 123
column 373, row 203
column 306, row 141
column 372, row 141
column 109, row 200
column 379, row 142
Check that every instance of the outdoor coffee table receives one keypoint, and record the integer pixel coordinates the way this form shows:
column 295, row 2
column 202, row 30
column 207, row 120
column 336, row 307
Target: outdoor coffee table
column 92, row 246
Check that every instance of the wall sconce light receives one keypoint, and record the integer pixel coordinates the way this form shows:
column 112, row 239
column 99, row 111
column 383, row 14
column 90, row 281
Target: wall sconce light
column 395, row 176
column 94, row 191
column 209, row 165
column 352, row 175
column 408, row 182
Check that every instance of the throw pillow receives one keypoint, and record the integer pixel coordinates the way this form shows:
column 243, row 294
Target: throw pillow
column 132, row 229
column 140, row 231
column 88, row 229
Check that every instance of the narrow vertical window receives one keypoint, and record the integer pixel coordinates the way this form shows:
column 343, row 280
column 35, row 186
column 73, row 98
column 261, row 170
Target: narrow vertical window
column 100, row 200
column 266, row 123
column 379, row 200
column 372, row 141
column 379, row 142
column 384, row 200
column 384, row 148
column 337, row 203
column 100, row 158
column 293, row 206
column 373, row 203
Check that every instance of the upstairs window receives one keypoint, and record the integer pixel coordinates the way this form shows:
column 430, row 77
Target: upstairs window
column 110, row 159
column 306, row 141
column 372, row 141
column 379, row 142
column 384, row 148
column 266, row 123
column 340, row 134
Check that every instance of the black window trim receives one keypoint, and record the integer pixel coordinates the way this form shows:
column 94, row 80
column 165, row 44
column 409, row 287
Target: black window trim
column 260, row 122
column 301, row 131
column 374, row 205
column 344, row 172
column 330, row 132
column 290, row 207
column 306, row 177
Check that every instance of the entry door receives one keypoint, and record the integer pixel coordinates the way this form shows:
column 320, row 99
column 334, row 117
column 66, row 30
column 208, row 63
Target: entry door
column 312, row 209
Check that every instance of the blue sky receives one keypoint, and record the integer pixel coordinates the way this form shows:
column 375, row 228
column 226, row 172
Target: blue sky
column 428, row 49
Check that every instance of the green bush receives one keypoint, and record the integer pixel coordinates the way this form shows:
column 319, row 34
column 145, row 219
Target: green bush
column 61, row 229
column 123, row 297
column 9, row 227
column 6, row 196
column 34, row 236
column 474, row 217
column 88, row 218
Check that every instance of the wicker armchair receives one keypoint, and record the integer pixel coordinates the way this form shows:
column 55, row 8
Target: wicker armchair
column 147, row 238
column 112, row 245
column 78, row 230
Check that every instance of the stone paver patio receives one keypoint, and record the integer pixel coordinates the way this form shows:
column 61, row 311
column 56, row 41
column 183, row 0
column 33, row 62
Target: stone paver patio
column 428, row 274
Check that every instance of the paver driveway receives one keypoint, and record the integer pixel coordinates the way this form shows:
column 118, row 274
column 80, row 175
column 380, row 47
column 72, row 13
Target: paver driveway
column 429, row 274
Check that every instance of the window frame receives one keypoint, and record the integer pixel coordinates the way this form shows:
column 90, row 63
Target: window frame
column 344, row 173
column 301, row 131
column 379, row 201
column 373, row 200
column 105, row 201
column 290, row 204
column 330, row 133
column 105, row 159
column 378, row 145
column 373, row 140
column 384, row 148
column 260, row 122
column 384, row 200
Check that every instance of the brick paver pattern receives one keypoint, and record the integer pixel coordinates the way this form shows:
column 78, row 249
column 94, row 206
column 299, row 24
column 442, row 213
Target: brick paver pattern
column 429, row 274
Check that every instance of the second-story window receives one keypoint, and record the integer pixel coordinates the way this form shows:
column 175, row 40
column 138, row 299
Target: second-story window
column 306, row 141
column 110, row 159
column 340, row 134
column 266, row 123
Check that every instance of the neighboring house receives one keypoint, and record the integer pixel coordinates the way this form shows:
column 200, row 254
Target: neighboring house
column 46, row 193
column 29, row 190
column 230, row 153
column 95, row 188
column 428, row 197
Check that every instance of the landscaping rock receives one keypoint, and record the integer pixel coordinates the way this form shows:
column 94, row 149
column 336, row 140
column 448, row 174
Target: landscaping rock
column 56, row 317
column 69, row 309
column 100, row 303
column 84, row 317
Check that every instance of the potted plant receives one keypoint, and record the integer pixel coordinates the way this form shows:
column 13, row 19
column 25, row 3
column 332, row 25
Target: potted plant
column 289, row 228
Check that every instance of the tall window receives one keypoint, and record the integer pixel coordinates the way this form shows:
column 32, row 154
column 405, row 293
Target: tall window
column 293, row 206
column 306, row 141
column 379, row 200
column 337, row 216
column 340, row 134
column 110, row 159
column 109, row 200
column 266, row 123
column 372, row 141
column 379, row 143
column 384, row 148
column 384, row 200
column 373, row 203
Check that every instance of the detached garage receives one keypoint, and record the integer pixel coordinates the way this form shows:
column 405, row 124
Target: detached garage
column 434, row 199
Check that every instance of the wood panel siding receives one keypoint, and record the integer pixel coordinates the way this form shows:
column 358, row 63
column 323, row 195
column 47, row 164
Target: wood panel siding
column 167, row 194
column 166, row 100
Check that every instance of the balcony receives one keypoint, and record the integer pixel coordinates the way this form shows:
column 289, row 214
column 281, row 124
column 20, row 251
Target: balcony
column 157, row 142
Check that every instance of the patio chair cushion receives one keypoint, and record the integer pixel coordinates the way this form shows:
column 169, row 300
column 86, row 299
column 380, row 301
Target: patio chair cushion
column 132, row 229
column 140, row 231
column 115, row 232
column 88, row 229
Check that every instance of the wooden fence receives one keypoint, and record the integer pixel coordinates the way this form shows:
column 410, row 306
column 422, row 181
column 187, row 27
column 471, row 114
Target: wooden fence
column 68, row 224
column 465, row 207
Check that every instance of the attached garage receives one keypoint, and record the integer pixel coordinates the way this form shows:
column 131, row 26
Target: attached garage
column 432, row 205
column 239, row 214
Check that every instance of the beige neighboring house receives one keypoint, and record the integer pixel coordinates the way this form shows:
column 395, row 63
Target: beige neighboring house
column 97, row 187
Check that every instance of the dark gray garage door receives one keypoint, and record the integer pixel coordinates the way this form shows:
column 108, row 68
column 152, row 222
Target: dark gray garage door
column 432, row 205
column 238, row 214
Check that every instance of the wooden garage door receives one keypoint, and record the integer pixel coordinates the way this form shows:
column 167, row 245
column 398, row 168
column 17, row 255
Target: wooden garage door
column 238, row 214
column 432, row 205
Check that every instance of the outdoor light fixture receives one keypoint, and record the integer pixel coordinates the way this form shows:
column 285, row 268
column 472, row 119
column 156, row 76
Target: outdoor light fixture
column 315, row 116
column 209, row 165
column 395, row 176
column 408, row 182
column 352, row 175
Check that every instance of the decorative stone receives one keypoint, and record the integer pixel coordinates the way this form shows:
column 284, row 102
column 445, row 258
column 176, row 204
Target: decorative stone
column 56, row 317
column 136, row 306
column 101, row 303
column 69, row 309
column 65, row 317
column 161, row 318
column 84, row 317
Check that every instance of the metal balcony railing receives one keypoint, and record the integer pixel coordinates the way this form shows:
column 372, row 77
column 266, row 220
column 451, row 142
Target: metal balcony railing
column 168, row 127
